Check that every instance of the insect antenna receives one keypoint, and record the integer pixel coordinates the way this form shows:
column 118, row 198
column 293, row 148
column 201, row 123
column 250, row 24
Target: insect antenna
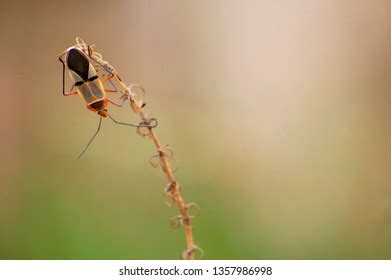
column 136, row 125
column 92, row 138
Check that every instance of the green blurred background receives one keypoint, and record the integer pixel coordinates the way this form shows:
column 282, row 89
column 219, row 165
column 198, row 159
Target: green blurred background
column 278, row 112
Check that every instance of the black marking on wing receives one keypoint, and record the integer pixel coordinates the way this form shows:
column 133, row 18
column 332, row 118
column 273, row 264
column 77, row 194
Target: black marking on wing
column 93, row 78
column 78, row 63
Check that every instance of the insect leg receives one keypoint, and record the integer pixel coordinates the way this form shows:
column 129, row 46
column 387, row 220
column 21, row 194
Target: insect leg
column 106, row 79
column 116, row 103
column 92, row 138
column 112, row 90
column 70, row 93
column 109, row 79
column 63, row 79
column 63, row 75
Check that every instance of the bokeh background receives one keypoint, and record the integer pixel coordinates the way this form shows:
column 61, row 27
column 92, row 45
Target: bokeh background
column 278, row 112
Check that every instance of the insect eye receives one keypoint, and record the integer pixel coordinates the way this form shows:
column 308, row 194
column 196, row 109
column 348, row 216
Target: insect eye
column 92, row 78
column 79, row 83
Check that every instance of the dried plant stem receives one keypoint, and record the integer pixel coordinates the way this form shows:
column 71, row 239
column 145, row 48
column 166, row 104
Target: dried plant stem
column 175, row 192
column 173, row 188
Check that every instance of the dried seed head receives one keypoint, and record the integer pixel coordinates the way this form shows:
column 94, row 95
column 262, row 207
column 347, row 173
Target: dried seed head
column 176, row 221
column 155, row 161
column 192, row 210
column 197, row 251
column 167, row 152
column 137, row 94
column 170, row 187
column 169, row 200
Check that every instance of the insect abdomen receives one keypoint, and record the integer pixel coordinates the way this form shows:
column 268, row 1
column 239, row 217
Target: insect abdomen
column 98, row 105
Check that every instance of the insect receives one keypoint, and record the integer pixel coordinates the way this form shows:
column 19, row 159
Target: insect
column 89, row 86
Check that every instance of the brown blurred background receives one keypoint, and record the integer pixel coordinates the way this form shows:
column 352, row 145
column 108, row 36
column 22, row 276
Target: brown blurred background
column 278, row 112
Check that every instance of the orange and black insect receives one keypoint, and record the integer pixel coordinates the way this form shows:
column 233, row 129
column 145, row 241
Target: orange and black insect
column 88, row 85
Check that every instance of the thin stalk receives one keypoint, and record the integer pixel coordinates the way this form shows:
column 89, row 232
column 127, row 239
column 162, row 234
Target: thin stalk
column 173, row 188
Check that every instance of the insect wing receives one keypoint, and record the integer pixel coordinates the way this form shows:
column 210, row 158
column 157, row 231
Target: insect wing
column 78, row 63
column 84, row 76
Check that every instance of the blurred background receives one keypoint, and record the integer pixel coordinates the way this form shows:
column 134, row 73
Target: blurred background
column 278, row 112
